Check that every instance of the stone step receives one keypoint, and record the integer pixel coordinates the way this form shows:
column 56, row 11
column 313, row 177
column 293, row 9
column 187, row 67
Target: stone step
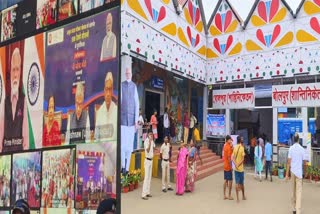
column 206, row 158
column 209, row 171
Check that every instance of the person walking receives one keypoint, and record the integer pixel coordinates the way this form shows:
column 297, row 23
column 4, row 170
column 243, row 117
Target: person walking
column 258, row 160
column 165, row 165
column 238, row 159
column 148, row 149
column 181, row 171
column 227, row 153
column 296, row 163
column 268, row 159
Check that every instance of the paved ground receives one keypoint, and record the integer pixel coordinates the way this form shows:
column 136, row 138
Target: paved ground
column 263, row 198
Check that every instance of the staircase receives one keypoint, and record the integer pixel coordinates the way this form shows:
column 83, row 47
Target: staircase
column 211, row 163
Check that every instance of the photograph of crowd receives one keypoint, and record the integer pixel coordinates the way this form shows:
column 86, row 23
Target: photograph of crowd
column 5, row 176
column 67, row 8
column 58, row 179
column 26, row 173
column 46, row 13
column 8, row 23
column 96, row 174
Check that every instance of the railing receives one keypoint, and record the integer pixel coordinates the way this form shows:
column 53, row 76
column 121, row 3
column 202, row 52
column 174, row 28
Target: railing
column 315, row 157
column 283, row 156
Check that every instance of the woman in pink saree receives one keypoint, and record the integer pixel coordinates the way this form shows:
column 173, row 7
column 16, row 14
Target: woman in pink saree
column 181, row 171
column 192, row 168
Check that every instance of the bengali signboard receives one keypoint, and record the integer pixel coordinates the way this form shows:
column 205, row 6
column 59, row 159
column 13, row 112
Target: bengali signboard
column 301, row 95
column 233, row 98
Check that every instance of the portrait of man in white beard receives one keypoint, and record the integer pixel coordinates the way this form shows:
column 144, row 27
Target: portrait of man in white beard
column 109, row 44
column 15, row 123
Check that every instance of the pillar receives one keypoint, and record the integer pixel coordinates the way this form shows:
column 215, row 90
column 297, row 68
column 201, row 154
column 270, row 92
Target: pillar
column 275, row 134
column 205, row 111
column 228, row 119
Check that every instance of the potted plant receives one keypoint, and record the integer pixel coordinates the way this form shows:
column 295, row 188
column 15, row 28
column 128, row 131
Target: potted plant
column 136, row 178
column 281, row 171
column 130, row 180
column 316, row 174
column 125, row 183
column 308, row 173
column 275, row 171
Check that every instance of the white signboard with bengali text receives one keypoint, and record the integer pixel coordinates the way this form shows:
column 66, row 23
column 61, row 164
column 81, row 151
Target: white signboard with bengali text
column 233, row 98
column 302, row 95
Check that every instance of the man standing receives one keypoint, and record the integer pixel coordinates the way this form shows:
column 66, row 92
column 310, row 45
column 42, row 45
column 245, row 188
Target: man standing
column 129, row 117
column 166, row 123
column 106, row 118
column 193, row 122
column 165, row 164
column 268, row 158
column 148, row 149
column 186, row 125
column 78, row 127
column 109, row 44
column 238, row 159
column 227, row 152
column 296, row 157
column 15, row 123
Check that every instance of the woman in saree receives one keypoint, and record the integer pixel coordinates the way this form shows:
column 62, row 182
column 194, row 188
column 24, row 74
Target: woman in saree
column 192, row 168
column 181, row 171
column 258, row 160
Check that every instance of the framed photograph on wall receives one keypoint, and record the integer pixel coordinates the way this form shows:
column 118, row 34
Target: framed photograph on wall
column 5, row 178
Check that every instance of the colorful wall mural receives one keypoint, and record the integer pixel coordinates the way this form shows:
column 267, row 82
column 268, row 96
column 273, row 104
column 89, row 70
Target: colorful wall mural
column 274, row 43
column 153, row 30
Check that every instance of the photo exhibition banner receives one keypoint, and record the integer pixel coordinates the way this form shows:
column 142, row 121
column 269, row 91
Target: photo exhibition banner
column 81, row 98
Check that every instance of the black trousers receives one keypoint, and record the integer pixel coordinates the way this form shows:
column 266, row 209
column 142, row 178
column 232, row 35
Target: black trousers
column 268, row 168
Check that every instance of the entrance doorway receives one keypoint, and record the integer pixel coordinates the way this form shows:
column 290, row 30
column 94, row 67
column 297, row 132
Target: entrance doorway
column 153, row 101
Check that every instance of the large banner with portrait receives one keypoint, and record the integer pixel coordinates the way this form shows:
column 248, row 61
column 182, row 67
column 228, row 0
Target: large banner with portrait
column 81, row 98
column 21, row 94
column 96, row 174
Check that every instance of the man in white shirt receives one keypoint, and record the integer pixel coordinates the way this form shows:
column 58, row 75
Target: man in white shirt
column 109, row 44
column 165, row 164
column 193, row 122
column 148, row 148
column 166, row 122
column 296, row 162
column 106, row 118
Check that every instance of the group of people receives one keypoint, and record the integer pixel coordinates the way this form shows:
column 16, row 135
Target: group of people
column 186, row 170
column 8, row 25
column 260, row 156
column 57, row 180
column 234, row 161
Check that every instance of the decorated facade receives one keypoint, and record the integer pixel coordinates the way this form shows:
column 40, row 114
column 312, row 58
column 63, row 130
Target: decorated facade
column 273, row 42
